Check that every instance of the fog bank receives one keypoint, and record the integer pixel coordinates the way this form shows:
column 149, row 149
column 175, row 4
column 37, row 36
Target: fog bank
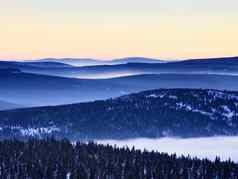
column 210, row 147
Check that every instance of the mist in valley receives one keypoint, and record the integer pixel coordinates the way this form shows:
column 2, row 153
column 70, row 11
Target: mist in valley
column 208, row 147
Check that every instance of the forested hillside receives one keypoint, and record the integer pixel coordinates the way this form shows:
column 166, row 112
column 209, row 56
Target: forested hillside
column 53, row 159
column 156, row 113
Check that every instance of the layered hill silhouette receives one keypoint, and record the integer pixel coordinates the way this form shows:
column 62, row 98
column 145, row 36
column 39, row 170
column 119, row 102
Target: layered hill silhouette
column 4, row 105
column 94, row 62
column 125, row 67
column 29, row 89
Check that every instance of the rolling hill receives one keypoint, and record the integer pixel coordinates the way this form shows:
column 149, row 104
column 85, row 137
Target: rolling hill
column 31, row 64
column 6, row 105
column 40, row 90
column 221, row 66
column 94, row 62
column 155, row 113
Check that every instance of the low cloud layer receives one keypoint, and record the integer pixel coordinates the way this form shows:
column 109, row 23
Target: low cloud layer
column 224, row 147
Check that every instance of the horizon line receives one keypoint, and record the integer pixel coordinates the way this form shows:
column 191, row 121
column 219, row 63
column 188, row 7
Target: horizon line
column 117, row 58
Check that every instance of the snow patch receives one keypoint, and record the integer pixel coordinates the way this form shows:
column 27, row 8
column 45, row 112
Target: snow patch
column 188, row 107
column 227, row 112
column 155, row 96
column 202, row 112
column 184, row 106
column 173, row 97
column 38, row 131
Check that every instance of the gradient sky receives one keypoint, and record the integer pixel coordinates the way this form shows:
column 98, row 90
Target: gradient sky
column 107, row 29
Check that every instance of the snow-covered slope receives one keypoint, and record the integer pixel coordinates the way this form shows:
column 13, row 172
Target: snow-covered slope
column 156, row 113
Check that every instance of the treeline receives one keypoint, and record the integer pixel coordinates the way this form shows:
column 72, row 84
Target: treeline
column 56, row 159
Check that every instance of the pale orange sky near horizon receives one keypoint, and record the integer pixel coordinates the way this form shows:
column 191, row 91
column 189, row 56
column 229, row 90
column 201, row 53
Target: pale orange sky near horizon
column 107, row 29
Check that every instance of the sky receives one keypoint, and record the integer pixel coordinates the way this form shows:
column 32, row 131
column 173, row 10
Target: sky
column 106, row 29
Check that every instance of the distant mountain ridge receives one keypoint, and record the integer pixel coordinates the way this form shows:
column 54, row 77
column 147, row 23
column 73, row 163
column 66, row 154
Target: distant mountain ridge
column 137, row 60
column 39, row 64
column 221, row 66
column 94, row 62
column 154, row 113
column 7, row 106
column 125, row 60
column 73, row 61
column 39, row 90
column 227, row 60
